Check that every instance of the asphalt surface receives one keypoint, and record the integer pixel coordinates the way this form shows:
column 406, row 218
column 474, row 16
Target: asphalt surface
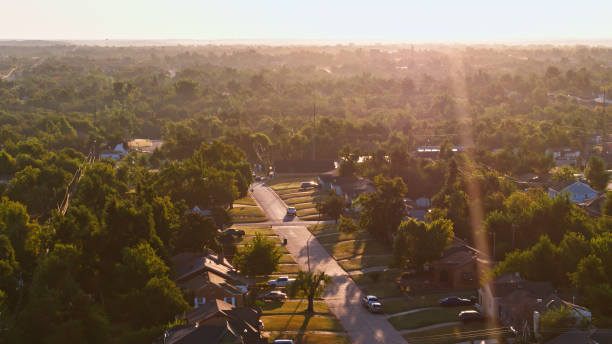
column 343, row 297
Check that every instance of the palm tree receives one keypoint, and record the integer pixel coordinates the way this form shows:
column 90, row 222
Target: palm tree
column 312, row 284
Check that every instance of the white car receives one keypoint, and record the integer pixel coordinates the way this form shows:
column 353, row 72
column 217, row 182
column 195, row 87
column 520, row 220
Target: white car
column 282, row 281
column 291, row 211
column 283, row 341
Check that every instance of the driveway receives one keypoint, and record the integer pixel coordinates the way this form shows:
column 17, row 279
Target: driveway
column 343, row 296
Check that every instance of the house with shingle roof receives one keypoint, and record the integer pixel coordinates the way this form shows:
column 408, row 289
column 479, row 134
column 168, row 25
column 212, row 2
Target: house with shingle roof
column 460, row 266
column 577, row 191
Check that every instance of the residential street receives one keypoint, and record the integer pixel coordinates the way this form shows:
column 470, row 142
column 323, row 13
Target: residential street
column 343, row 297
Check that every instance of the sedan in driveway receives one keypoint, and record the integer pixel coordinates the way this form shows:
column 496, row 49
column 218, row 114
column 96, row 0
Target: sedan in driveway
column 367, row 299
column 233, row 231
column 274, row 295
column 472, row 315
column 454, row 301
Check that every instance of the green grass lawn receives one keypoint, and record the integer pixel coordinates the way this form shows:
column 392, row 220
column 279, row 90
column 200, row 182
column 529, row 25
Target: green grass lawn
column 287, row 258
column 284, row 183
column 421, row 301
column 292, row 306
column 338, row 236
column 287, row 269
column 382, row 289
column 453, row 334
column 300, row 200
column 290, row 193
column 426, row 318
column 307, row 212
column 247, row 214
column 252, row 230
column 248, row 238
column 311, row 338
column 246, row 200
column 299, row 322
column 349, row 249
column 323, row 228
column 365, row 262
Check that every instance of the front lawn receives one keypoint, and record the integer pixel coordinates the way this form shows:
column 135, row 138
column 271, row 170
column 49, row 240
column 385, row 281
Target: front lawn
column 421, row 301
column 246, row 200
column 299, row 322
column 311, row 338
column 349, row 249
column 287, row 268
column 322, row 228
column 338, row 236
column 464, row 332
column 365, row 262
column 247, row 214
column 292, row 306
column 426, row 318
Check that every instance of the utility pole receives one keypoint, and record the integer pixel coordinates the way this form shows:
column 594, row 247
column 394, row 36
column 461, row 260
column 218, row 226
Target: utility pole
column 314, row 130
column 308, row 251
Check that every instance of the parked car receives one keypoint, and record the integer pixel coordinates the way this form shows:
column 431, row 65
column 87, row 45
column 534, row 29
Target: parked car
column 233, row 231
column 471, row 315
column 453, row 301
column 274, row 295
column 291, row 211
column 367, row 299
column 375, row 307
column 306, row 185
column 282, row 281
column 257, row 178
column 283, row 341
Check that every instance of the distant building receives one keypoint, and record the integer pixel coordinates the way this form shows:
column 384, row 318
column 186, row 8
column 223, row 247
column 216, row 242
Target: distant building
column 117, row 153
column 348, row 186
column 460, row 266
column 565, row 156
column 578, row 192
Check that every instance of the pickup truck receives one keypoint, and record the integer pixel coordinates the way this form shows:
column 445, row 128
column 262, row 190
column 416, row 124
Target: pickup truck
column 282, row 281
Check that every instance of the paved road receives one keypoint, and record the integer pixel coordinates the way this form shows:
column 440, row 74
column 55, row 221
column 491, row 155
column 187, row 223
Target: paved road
column 342, row 297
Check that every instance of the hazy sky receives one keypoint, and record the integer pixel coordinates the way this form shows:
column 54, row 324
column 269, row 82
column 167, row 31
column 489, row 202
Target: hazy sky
column 306, row 19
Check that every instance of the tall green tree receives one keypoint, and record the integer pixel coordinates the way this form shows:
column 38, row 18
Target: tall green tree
column 595, row 172
column 258, row 258
column 382, row 210
column 417, row 243
column 312, row 284
column 333, row 206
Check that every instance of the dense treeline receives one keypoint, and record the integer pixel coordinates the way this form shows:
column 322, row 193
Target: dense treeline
column 99, row 272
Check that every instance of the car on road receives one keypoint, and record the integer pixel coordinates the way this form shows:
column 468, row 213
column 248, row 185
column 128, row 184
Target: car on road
column 233, row 231
column 367, row 299
column 281, row 281
column 375, row 307
column 471, row 315
column 291, row 211
column 274, row 295
column 453, row 301
column 283, row 341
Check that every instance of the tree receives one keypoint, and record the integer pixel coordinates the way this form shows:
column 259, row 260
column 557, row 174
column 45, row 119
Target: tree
column 383, row 210
column 595, row 172
column 258, row 258
column 312, row 284
column 417, row 243
column 562, row 173
column 333, row 206
column 347, row 225
column 196, row 232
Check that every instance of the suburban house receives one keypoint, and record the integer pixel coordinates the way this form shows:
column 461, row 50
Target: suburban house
column 208, row 277
column 565, row 156
column 145, row 145
column 117, row 153
column 460, row 266
column 594, row 206
column 512, row 299
column 217, row 322
column 348, row 186
column 577, row 191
